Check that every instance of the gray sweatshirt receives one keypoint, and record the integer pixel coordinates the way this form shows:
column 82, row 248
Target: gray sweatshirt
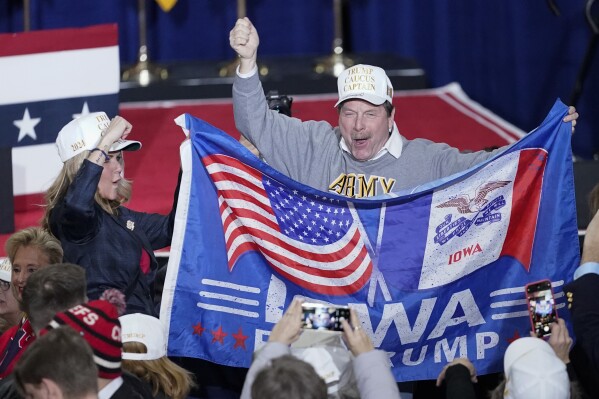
column 309, row 151
column 371, row 369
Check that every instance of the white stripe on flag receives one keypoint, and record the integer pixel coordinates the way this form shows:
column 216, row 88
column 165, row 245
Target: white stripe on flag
column 32, row 77
column 304, row 264
column 29, row 180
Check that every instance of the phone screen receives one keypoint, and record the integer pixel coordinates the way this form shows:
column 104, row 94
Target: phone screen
column 324, row 317
column 541, row 305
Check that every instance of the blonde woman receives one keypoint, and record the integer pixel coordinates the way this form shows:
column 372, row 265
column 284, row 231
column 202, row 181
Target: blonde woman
column 84, row 210
column 144, row 354
column 28, row 250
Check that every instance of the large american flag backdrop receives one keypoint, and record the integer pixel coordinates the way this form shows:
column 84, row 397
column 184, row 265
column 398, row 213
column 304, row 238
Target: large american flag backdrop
column 48, row 78
column 434, row 275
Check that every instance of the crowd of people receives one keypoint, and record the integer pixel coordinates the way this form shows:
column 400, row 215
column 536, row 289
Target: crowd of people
column 77, row 297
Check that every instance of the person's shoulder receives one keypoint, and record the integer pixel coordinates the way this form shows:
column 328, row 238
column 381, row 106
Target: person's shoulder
column 133, row 387
column 8, row 389
column 7, row 336
column 10, row 332
column 587, row 282
column 423, row 147
column 422, row 143
column 124, row 211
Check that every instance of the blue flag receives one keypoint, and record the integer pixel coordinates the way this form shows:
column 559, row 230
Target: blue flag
column 433, row 275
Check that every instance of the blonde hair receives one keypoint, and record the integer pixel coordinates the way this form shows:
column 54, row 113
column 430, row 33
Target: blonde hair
column 162, row 374
column 67, row 174
column 38, row 238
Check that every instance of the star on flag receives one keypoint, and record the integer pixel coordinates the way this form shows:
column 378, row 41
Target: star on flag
column 84, row 111
column 198, row 329
column 27, row 126
column 239, row 339
column 218, row 335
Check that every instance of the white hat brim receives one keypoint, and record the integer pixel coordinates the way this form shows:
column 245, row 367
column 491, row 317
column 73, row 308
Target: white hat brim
column 125, row 145
column 371, row 98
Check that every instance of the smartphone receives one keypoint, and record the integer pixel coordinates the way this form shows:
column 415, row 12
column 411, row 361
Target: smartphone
column 541, row 307
column 317, row 316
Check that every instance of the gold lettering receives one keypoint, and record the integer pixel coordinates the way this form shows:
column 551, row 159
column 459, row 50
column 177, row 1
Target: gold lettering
column 367, row 189
column 350, row 185
column 77, row 145
column 360, row 70
column 359, row 86
column 103, row 122
column 346, row 185
column 387, row 184
column 360, row 79
column 338, row 184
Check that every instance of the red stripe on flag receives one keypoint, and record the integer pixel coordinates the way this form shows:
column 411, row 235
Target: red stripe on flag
column 223, row 159
column 250, row 231
column 51, row 40
column 248, row 213
column 526, row 199
column 313, row 256
column 331, row 290
column 249, row 245
column 277, row 241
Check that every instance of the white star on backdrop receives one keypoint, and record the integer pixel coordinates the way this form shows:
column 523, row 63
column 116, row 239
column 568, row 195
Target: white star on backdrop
column 84, row 111
column 27, row 126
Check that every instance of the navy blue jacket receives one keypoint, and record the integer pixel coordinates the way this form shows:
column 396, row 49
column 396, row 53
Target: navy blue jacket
column 583, row 302
column 109, row 247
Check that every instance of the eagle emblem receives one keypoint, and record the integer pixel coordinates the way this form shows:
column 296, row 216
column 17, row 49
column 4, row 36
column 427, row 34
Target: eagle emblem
column 467, row 205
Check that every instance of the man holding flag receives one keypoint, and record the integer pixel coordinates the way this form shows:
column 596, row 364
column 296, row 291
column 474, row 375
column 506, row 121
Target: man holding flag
column 434, row 273
column 364, row 156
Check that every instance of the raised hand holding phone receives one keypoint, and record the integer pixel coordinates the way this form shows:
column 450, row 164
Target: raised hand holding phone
column 541, row 307
column 318, row 316
column 289, row 328
column 560, row 340
column 354, row 335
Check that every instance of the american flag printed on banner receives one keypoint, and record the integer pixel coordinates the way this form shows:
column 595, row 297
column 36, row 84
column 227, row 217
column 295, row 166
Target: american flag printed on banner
column 433, row 275
column 312, row 240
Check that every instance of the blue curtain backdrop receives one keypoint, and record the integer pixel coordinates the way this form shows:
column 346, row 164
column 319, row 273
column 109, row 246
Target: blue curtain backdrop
column 514, row 57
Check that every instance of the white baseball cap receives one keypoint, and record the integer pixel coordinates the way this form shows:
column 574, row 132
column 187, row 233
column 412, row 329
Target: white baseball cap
column 147, row 330
column 533, row 370
column 364, row 82
column 84, row 133
column 5, row 270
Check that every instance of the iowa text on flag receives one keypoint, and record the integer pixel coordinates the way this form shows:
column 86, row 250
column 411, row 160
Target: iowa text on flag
column 434, row 275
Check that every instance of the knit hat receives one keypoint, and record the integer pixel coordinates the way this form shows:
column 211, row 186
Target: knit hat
column 84, row 134
column 364, row 82
column 533, row 370
column 147, row 330
column 98, row 323
column 5, row 270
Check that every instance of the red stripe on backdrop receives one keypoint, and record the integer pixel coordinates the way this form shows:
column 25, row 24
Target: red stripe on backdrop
column 154, row 169
column 433, row 118
column 497, row 125
column 46, row 41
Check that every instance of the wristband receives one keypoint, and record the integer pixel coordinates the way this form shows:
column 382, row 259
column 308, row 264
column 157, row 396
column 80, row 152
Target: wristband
column 103, row 153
